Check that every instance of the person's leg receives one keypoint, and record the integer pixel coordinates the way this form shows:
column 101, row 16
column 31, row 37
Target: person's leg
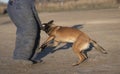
column 28, row 29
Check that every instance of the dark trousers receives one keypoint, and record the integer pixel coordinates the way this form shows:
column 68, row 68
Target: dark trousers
column 24, row 16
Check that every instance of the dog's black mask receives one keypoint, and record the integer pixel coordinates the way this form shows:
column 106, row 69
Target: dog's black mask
column 47, row 26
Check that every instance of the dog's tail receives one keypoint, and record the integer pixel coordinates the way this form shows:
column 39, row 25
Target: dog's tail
column 98, row 47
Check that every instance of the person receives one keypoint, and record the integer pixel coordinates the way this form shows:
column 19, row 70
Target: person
column 25, row 17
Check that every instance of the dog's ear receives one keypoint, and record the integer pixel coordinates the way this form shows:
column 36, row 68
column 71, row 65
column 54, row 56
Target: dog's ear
column 50, row 22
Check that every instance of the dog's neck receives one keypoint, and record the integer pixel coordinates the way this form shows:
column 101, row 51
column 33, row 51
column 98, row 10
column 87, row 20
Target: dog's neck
column 52, row 29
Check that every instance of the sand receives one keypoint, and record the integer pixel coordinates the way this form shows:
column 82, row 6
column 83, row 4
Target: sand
column 101, row 25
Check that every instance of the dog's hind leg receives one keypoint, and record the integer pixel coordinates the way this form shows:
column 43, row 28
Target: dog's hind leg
column 79, row 46
column 81, row 58
column 84, row 55
column 79, row 52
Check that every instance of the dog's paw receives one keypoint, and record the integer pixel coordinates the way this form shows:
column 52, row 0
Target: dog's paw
column 75, row 64
column 43, row 46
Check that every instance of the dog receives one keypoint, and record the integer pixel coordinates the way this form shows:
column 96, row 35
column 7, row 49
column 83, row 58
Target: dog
column 80, row 40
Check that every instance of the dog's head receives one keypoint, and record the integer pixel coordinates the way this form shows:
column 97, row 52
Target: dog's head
column 47, row 26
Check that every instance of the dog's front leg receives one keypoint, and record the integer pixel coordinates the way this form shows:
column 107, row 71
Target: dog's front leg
column 45, row 44
column 56, row 43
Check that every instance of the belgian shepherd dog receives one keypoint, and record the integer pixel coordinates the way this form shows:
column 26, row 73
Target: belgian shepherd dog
column 80, row 40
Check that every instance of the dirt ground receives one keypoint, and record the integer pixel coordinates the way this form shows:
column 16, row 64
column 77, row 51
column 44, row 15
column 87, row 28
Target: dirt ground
column 101, row 25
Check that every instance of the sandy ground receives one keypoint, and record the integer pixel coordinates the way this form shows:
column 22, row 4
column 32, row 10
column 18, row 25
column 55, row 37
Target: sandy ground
column 101, row 25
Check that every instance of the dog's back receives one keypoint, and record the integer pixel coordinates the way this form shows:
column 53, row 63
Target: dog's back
column 67, row 34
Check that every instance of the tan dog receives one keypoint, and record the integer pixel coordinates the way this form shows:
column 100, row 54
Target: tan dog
column 80, row 40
